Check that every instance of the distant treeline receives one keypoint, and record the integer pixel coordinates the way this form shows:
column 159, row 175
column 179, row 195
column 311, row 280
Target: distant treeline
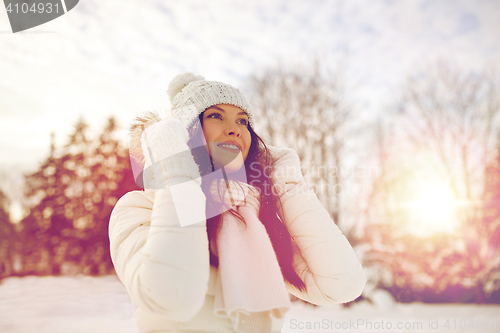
column 71, row 197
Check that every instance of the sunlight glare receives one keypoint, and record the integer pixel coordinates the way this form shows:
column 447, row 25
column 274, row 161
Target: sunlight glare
column 434, row 209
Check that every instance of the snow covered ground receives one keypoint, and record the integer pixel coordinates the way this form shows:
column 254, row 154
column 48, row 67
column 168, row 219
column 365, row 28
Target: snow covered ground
column 101, row 305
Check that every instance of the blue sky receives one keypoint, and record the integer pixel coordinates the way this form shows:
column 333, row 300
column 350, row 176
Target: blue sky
column 114, row 58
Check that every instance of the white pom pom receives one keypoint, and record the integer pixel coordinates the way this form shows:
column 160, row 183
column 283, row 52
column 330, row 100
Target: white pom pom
column 179, row 82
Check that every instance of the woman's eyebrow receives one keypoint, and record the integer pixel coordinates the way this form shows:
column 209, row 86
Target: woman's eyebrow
column 222, row 110
column 216, row 107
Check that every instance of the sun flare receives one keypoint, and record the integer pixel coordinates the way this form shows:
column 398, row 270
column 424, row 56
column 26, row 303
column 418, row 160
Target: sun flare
column 434, row 209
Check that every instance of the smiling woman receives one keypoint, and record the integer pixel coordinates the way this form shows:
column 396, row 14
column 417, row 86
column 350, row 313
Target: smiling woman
column 214, row 243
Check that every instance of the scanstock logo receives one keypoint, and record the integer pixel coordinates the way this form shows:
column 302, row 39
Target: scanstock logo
column 31, row 13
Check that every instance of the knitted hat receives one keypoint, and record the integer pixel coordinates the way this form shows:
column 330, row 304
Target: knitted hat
column 191, row 94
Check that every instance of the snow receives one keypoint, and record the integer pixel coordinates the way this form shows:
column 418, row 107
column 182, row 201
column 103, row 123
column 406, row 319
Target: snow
column 84, row 304
column 65, row 304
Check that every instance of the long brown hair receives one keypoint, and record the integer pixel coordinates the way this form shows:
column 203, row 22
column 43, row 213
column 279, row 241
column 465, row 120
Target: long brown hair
column 257, row 166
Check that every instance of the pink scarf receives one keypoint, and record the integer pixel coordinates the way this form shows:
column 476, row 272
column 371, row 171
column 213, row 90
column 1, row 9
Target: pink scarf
column 250, row 287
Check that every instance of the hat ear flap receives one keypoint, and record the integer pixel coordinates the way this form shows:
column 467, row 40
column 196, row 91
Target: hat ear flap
column 179, row 82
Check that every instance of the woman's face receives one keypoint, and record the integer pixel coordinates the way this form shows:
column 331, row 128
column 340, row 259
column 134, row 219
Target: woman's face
column 225, row 129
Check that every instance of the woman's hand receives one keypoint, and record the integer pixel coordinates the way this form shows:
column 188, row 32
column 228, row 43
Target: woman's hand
column 167, row 154
column 286, row 167
column 287, row 174
column 171, row 163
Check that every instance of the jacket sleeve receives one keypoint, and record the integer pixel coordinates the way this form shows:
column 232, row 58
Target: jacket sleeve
column 323, row 257
column 164, row 267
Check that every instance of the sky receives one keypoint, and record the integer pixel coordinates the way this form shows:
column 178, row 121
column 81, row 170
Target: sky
column 111, row 58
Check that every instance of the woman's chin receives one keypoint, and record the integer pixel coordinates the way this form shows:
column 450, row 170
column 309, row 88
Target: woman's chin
column 233, row 168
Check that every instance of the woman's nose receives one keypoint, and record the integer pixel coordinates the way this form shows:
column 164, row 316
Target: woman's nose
column 233, row 129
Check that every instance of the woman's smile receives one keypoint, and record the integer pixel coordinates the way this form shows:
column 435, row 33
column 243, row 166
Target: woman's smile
column 229, row 146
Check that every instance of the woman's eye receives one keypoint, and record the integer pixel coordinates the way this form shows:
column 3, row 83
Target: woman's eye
column 215, row 115
column 244, row 122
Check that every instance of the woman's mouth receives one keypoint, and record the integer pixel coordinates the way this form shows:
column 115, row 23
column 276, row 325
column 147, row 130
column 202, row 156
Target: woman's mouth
column 231, row 147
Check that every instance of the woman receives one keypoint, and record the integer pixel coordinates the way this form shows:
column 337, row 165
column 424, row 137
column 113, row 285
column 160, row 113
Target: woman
column 226, row 226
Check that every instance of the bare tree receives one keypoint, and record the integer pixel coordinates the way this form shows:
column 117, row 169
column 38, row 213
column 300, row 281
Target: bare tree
column 450, row 116
column 304, row 107
column 455, row 113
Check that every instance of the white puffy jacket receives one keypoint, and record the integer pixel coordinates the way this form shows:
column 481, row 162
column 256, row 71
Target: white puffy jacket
column 166, row 271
